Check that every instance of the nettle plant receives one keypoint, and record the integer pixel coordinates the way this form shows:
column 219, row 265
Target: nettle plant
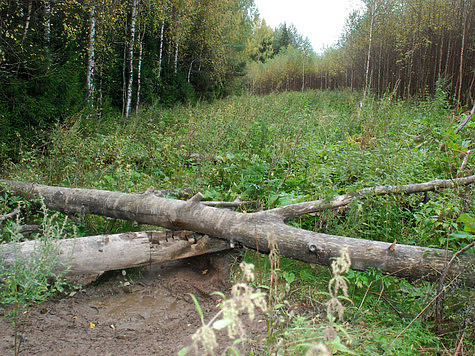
column 244, row 298
column 30, row 280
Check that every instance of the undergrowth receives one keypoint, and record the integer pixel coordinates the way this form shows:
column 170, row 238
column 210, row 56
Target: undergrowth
column 286, row 148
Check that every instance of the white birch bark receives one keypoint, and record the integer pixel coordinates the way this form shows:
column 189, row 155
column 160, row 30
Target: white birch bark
column 130, row 79
column 27, row 21
column 91, row 56
column 175, row 63
column 47, row 29
column 139, row 71
column 160, row 55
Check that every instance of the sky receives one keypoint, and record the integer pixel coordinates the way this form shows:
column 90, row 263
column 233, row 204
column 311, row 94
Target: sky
column 322, row 21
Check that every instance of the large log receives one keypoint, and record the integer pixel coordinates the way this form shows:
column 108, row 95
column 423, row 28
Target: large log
column 254, row 230
column 97, row 254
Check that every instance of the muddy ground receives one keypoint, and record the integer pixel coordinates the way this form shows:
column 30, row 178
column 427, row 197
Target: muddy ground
column 154, row 315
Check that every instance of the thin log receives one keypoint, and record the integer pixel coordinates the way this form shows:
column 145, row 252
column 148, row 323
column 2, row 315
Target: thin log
column 10, row 215
column 291, row 211
column 254, row 230
column 97, row 254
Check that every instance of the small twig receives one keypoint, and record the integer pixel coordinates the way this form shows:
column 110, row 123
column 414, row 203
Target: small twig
column 438, row 305
column 421, row 144
column 9, row 215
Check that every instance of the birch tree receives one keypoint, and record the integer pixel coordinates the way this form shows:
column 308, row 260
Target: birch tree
column 91, row 55
column 130, row 57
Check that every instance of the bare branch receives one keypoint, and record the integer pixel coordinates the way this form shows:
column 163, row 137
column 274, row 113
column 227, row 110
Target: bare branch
column 290, row 211
column 9, row 215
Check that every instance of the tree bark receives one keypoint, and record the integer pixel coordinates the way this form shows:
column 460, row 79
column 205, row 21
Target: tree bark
column 27, row 22
column 161, row 47
column 139, row 71
column 130, row 79
column 91, row 57
column 97, row 254
column 47, row 29
column 257, row 230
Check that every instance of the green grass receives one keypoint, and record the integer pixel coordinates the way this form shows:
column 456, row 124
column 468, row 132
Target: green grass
column 284, row 148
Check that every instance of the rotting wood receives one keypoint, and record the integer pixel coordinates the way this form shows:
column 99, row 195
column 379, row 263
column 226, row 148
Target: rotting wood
column 97, row 254
column 255, row 229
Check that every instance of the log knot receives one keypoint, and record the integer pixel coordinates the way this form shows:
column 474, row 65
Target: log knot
column 318, row 251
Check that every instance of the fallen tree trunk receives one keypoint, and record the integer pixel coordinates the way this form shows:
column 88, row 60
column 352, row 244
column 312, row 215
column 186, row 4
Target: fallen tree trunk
column 97, row 254
column 254, row 230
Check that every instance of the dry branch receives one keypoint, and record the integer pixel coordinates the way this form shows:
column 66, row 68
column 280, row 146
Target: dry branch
column 255, row 229
column 97, row 254
column 291, row 211
column 9, row 215
column 467, row 119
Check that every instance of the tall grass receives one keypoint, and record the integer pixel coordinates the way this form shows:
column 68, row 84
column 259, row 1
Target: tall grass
column 284, row 148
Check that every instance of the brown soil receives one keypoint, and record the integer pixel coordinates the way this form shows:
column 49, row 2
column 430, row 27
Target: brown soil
column 154, row 315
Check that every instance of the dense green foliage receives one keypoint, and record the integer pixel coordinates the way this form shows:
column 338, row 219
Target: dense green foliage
column 285, row 148
column 72, row 74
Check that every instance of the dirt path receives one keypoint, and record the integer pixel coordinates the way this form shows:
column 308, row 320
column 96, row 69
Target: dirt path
column 152, row 316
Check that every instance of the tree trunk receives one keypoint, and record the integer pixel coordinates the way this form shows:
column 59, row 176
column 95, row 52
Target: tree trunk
column 130, row 81
column 160, row 55
column 91, row 59
column 189, row 71
column 27, row 22
column 97, row 254
column 47, row 29
column 175, row 62
column 257, row 230
column 139, row 71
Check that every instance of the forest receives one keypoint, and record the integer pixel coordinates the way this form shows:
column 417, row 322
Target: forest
column 60, row 58
column 231, row 189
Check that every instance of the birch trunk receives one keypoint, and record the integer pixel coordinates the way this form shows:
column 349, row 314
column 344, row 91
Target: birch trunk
column 27, row 21
column 91, row 56
column 47, row 29
column 139, row 71
column 175, row 62
column 130, row 51
column 257, row 230
column 160, row 55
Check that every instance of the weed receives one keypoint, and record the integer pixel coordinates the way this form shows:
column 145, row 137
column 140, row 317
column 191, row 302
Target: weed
column 30, row 280
column 243, row 298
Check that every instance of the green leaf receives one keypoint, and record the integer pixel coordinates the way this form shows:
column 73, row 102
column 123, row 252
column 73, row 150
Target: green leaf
column 197, row 305
column 234, row 351
column 468, row 222
column 222, row 323
column 289, row 277
column 461, row 235
column 183, row 351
